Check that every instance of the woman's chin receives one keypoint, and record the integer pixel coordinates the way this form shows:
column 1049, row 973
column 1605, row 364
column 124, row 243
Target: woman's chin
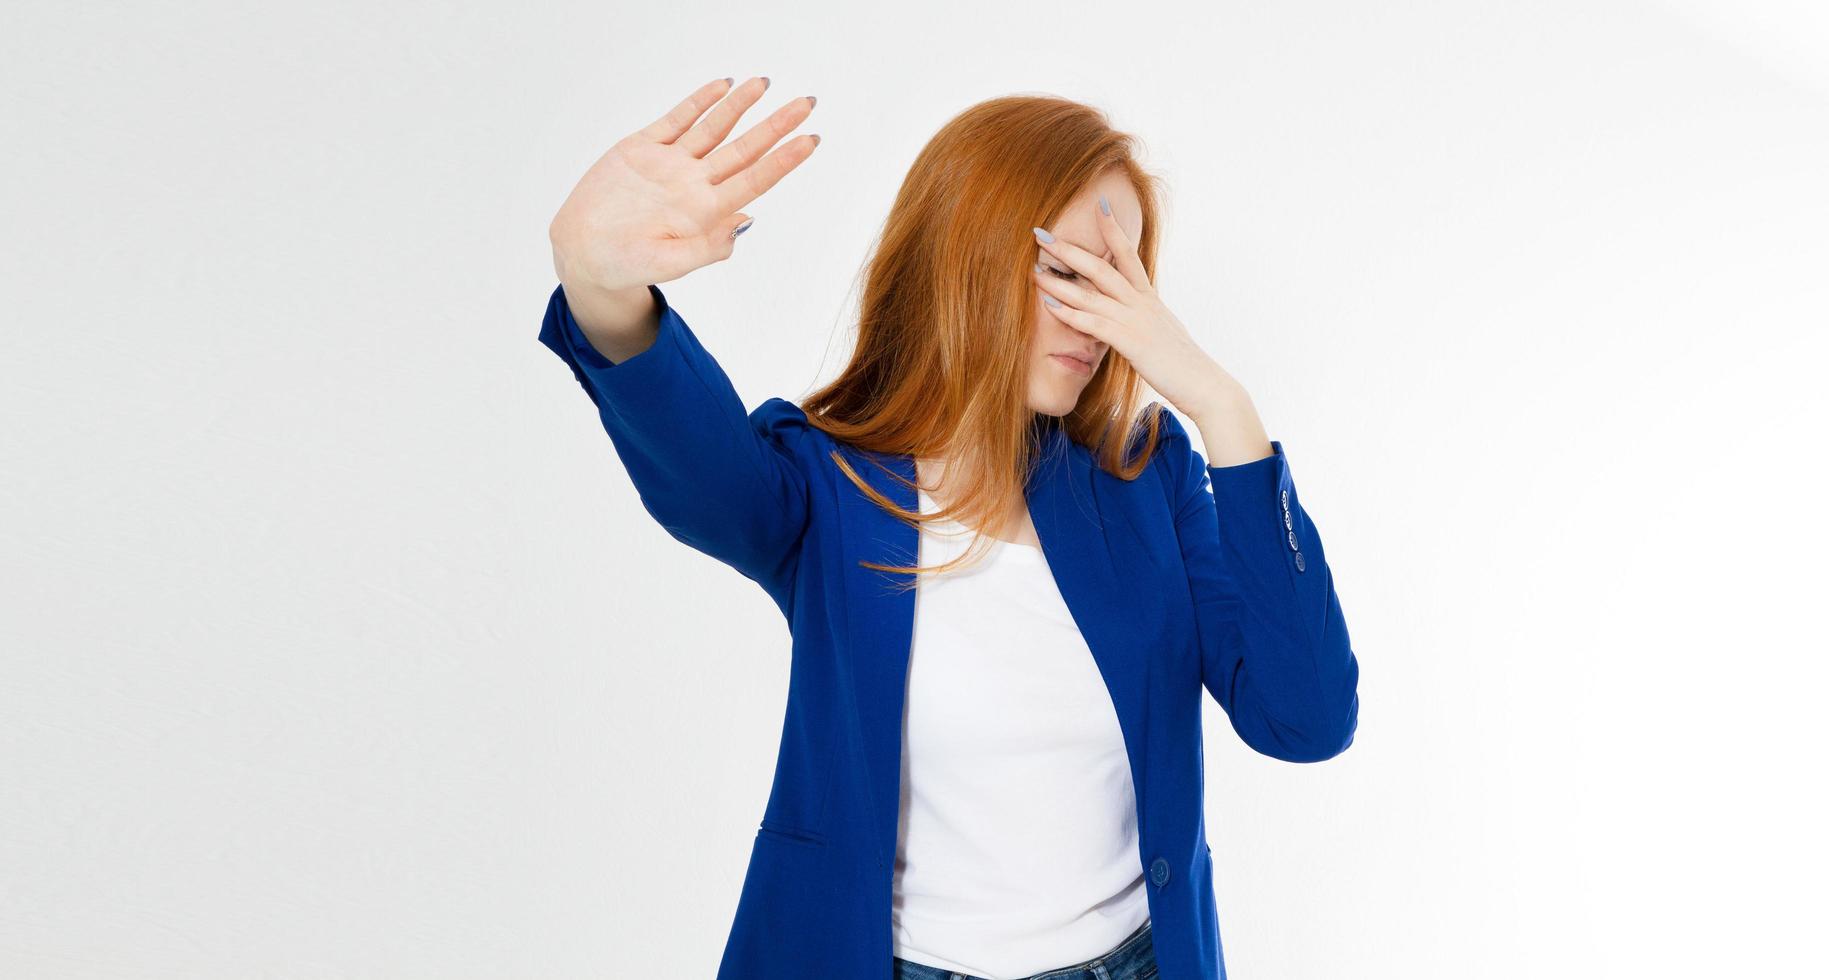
column 1055, row 403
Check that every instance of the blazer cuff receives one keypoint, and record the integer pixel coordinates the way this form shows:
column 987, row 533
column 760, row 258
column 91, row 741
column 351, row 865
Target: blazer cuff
column 602, row 378
column 1260, row 496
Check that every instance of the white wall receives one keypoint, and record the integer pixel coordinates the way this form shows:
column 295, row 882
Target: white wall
column 337, row 643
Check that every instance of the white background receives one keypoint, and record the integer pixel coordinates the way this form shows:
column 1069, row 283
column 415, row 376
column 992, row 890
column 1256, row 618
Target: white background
column 337, row 644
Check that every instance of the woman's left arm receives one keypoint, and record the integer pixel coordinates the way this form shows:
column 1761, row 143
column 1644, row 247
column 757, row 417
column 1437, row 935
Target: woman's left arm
column 1273, row 641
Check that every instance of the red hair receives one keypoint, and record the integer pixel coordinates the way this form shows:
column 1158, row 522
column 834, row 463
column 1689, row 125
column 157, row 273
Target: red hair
column 940, row 364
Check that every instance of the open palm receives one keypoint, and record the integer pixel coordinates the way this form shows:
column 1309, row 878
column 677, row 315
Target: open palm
column 666, row 198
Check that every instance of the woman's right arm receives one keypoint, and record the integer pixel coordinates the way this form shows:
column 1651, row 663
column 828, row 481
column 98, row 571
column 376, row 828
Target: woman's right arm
column 662, row 202
column 716, row 477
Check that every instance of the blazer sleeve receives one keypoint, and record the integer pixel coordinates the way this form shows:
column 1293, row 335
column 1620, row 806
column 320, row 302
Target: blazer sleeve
column 719, row 479
column 1274, row 647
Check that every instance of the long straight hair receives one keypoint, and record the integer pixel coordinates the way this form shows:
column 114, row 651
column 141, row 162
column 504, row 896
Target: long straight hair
column 941, row 361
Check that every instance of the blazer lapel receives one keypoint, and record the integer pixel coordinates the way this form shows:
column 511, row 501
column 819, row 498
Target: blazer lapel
column 1084, row 544
column 879, row 622
column 1096, row 556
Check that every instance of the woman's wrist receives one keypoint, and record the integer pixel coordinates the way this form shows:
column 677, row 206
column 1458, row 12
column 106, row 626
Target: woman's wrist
column 619, row 323
column 1230, row 427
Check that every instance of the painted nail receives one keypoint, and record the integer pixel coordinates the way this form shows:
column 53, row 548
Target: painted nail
column 1038, row 267
column 1051, row 301
column 740, row 229
column 1104, row 205
column 1042, row 235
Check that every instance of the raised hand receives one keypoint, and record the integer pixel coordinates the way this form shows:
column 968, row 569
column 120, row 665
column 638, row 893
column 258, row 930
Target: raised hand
column 1120, row 306
column 666, row 199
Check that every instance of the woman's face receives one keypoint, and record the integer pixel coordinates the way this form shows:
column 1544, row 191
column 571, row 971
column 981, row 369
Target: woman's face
column 1055, row 381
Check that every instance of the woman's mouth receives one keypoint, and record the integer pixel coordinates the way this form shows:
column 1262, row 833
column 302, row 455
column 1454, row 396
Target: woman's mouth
column 1073, row 364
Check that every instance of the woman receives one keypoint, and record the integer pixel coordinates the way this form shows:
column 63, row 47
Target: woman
column 1010, row 783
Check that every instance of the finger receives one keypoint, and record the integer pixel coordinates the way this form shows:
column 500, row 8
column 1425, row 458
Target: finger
column 668, row 128
column 1124, row 251
column 711, row 130
column 1089, row 323
column 1092, row 268
column 727, row 160
column 1090, row 300
column 750, row 183
column 675, row 257
column 720, row 241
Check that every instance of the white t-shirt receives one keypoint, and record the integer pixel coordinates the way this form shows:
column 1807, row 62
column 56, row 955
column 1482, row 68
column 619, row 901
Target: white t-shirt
column 1017, row 847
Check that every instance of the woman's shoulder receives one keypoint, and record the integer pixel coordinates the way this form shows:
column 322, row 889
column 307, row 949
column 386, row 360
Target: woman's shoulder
column 787, row 425
column 778, row 415
column 1174, row 458
column 1172, row 442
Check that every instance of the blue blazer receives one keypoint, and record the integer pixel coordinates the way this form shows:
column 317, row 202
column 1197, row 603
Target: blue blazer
column 1186, row 577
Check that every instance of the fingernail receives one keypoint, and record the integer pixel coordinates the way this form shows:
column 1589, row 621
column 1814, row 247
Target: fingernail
column 812, row 100
column 740, row 229
column 1051, row 301
column 1043, row 236
column 1104, row 205
column 1038, row 267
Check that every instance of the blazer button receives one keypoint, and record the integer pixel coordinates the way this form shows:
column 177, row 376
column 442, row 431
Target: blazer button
column 1292, row 542
column 1300, row 565
column 1159, row 871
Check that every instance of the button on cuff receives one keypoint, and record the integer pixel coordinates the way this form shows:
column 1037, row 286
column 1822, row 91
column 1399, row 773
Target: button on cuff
column 1159, row 871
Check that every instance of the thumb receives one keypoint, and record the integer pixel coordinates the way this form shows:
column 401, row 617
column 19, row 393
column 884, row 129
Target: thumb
column 723, row 238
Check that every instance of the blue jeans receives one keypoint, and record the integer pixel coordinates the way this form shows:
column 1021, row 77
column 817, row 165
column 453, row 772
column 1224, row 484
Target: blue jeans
column 1132, row 959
